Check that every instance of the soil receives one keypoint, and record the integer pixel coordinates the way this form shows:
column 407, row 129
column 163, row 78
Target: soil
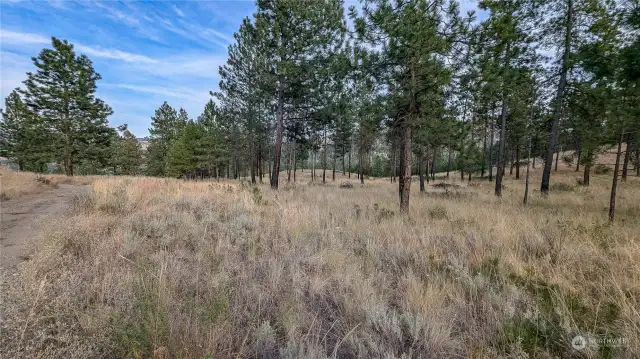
column 21, row 219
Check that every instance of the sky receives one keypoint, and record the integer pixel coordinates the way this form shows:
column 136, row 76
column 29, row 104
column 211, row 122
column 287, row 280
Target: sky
column 147, row 52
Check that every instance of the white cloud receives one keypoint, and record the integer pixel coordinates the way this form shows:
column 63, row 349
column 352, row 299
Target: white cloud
column 203, row 66
column 18, row 38
column 131, row 17
column 177, row 10
column 59, row 4
column 195, row 33
column 224, row 37
column 12, row 72
column 21, row 38
column 118, row 15
column 181, row 93
column 136, row 109
column 115, row 54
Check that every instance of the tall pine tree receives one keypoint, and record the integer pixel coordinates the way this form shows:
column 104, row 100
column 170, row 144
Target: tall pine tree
column 61, row 93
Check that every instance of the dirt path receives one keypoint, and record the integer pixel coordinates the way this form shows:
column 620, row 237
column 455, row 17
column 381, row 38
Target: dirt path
column 21, row 218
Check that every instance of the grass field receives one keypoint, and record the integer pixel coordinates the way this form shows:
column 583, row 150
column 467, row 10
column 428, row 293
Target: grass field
column 160, row 268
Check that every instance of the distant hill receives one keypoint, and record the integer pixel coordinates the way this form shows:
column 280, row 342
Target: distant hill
column 144, row 142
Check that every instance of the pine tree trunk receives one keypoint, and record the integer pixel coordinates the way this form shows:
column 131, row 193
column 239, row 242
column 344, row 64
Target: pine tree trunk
column 557, row 108
column 557, row 157
column 449, row 160
column 288, row 162
column 361, row 166
column 625, row 163
column 503, row 129
column 269, row 163
column 252, row 164
column 526, row 180
column 260, row 169
column 333, row 175
column 492, row 134
column 518, row 161
column 421, row 174
column 313, row 167
column 484, row 147
column 396, row 157
column 579, row 157
column 433, row 164
column 427, row 165
column 279, row 134
column 295, row 159
column 472, row 135
column 349, row 163
column 587, row 174
column 614, row 185
column 69, row 165
column 392, row 163
column 68, row 156
column 405, row 167
column 324, row 160
column 344, row 170
column 511, row 163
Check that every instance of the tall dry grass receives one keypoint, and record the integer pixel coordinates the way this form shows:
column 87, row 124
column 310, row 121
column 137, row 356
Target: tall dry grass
column 156, row 268
column 17, row 184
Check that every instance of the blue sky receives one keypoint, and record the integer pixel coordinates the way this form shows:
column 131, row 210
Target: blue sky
column 147, row 52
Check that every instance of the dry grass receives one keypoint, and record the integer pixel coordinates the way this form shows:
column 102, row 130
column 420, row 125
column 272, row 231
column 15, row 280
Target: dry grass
column 148, row 267
column 17, row 184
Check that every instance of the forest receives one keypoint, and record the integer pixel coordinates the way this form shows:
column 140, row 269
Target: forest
column 395, row 88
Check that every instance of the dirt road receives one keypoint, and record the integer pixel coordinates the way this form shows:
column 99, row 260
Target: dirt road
column 21, row 218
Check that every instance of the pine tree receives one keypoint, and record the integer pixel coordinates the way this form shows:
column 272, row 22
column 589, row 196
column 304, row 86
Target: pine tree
column 508, row 29
column 127, row 153
column 413, row 37
column 214, row 149
column 22, row 137
column 296, row 38
column 241, row 95
column 166, row 126
column 61, row 93
column 187, row 154
column 566, row 24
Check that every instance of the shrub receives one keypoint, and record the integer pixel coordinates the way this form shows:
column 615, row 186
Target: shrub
column 562, row 187
column 438, row 212
column 44, row 180
column 257, row 196
column 567, row 159
column 601, row 169
column 382, row 213
column 445, row 186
